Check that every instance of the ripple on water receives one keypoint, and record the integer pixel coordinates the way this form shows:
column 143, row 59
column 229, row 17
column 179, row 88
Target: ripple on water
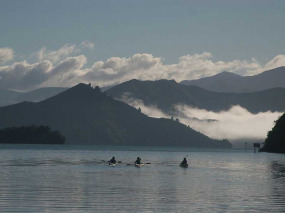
column 82, row 181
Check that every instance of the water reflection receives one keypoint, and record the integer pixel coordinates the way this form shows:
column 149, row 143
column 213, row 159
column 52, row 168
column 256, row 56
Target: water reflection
column 80, row 181
column 278, row 184
column 278, row 170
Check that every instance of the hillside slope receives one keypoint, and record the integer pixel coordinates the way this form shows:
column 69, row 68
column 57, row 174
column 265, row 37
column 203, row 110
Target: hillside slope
column 275, row 141
column 87, row 116
column 166, row 94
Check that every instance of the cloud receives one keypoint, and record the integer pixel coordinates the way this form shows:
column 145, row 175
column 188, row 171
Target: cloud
column 116, row 70
column 277, row 61
column 55, row 55
column 234, row 124
column 87, row 44
column 6, row 54
column 25, row 76
column 66, row 73
column 150, row 110
column 147, row 67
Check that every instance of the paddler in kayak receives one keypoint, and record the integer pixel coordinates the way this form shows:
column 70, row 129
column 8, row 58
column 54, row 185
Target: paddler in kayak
column 138, row 161
column 184, row 163
column 113, row 160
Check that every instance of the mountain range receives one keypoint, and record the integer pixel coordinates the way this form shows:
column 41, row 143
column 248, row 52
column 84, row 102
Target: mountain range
column 224, row 82
column 230, row 82
column 165, row 94
column 8, row 97
column 85, row 115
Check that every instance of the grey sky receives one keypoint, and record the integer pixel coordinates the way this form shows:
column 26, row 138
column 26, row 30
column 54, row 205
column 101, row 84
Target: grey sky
column 169, row 29
column 230, row 30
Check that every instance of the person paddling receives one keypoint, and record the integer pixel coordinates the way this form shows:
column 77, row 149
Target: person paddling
column 184, row 163
column 138, row 161
column 113, row 160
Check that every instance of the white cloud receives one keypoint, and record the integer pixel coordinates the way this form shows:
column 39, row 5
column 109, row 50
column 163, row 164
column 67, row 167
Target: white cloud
column 66, row 73
column 147, row 67
column 277, row 61
column 56, row 55
column 139, row 66
column 151, row 111
column 6, row 54
column 25, row 76
column 87, row 44
column 234, row 124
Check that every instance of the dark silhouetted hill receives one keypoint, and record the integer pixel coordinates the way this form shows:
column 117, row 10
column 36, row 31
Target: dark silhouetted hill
column 230, row 82
column 85, row 115
column 30, row 135
column 9, row 97
column 275, row 141
column 166, row 93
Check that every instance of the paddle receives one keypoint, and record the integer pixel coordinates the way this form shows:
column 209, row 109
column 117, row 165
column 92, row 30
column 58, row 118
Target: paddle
column 130, row 164
column 104, row 161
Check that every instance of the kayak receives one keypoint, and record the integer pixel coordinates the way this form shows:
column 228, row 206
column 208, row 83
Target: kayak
column 113, row 164
column 183, row 165
column 139, row 165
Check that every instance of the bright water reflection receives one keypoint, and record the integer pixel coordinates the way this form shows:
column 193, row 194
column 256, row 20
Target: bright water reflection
column 77, row 180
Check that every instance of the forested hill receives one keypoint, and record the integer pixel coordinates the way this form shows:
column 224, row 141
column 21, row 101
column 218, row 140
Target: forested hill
column 85, row 115
column 275, row 141
column 165, row 94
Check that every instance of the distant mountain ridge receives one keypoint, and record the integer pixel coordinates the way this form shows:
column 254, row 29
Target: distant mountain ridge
column 165, row 94
column 230, row 82
column 85, row 115
column 8, row 97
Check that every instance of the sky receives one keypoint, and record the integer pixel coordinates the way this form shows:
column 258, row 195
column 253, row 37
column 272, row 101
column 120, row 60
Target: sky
column 64, row 42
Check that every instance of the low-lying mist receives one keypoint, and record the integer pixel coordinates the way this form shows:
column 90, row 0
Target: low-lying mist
column 237, row 123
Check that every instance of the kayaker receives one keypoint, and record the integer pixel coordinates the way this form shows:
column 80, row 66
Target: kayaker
column 138, row 161
column 184, row 162
column 113, row 160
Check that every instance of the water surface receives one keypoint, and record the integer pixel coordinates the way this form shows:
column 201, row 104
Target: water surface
column 78, row 179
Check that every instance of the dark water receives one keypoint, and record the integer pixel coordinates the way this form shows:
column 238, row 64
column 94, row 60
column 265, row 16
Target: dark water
column 75, row 179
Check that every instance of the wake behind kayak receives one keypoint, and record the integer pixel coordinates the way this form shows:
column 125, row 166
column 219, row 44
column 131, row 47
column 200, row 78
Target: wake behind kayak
column 139, row 165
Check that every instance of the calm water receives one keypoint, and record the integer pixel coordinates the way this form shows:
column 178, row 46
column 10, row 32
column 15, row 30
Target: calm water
column 75, row 179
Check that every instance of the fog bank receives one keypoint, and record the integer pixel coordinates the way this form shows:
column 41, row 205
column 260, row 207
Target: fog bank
column 237, row 123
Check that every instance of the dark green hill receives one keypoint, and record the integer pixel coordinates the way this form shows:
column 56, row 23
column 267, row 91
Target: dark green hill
column 275, row 141
column 165, row 94
column 87, row 116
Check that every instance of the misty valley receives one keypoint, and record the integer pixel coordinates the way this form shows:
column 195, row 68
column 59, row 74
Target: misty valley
column 149, row 113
